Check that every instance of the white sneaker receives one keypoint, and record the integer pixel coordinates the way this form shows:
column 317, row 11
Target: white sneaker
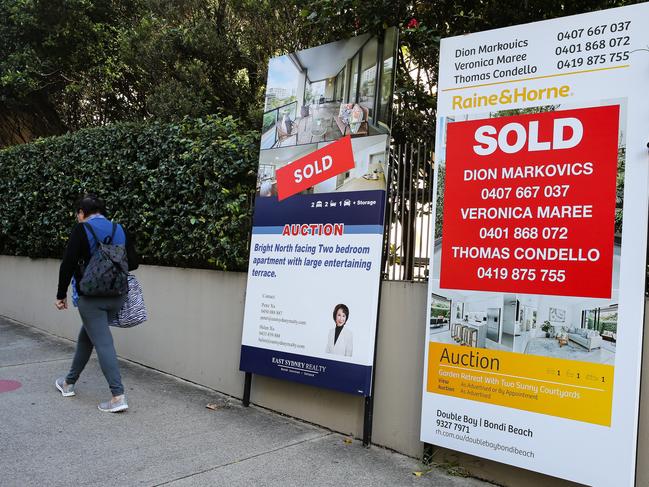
column 67, row 390
column 114, row 407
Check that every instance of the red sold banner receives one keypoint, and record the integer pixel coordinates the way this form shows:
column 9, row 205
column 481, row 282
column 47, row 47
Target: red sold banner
column 314, row 168
column 529, row 203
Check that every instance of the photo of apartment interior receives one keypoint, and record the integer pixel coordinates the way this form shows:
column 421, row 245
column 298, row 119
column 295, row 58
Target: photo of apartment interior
column 565, row 327
column 323, row 93
column 368, row 172
column 370, row 166
column 474, row 320
column 552, row 326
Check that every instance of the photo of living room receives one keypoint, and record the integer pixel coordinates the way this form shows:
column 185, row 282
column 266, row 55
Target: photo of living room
column 326, row 92
column 583, row 329
column 568, row 328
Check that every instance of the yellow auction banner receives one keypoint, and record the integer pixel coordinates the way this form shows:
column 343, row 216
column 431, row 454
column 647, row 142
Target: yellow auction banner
column 535, row 306
column 575, row 390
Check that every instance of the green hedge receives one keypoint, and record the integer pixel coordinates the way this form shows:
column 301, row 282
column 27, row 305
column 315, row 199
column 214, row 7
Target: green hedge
column 183, row 189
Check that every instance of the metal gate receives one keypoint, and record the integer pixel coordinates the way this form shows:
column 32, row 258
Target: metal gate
column 408, row 223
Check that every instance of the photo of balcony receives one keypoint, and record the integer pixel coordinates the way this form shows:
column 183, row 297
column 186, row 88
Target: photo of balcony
column 327, row 92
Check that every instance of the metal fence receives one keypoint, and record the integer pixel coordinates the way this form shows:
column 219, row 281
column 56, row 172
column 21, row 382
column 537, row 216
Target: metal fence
column 408, row 224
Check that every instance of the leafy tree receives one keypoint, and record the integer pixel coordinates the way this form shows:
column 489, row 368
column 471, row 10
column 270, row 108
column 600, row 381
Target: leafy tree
column 70, row 64
column 60, row 68
column 185, row 60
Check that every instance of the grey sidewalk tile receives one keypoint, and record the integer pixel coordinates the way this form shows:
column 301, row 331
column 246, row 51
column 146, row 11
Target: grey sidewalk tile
column 326, row 461
column 21, row 344
column 167, row 432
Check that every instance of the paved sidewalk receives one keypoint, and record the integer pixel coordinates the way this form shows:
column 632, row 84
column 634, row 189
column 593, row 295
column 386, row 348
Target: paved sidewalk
column 168, row 436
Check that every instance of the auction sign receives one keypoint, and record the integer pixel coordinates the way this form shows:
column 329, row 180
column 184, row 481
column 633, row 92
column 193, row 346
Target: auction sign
column 536, row 293
column 315, row 256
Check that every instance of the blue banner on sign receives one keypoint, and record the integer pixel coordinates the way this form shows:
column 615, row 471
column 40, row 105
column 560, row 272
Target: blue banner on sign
column 332, row 374
column 351, row 208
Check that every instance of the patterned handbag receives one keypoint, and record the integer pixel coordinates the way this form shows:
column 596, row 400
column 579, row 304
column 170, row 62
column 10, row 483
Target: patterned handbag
column 133, row 311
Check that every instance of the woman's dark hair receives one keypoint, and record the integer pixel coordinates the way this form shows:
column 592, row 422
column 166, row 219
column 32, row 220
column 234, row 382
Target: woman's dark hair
column 90, row 204
column 345, row 310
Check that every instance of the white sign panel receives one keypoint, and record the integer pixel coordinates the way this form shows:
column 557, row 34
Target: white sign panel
column 317, row 237
column 536, row 294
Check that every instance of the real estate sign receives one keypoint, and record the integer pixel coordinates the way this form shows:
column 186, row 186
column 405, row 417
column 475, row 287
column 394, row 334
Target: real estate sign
column 315, row 258
column 536, row 295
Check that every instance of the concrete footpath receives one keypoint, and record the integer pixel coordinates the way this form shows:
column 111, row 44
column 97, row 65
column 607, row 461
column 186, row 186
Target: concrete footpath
column 168, row 436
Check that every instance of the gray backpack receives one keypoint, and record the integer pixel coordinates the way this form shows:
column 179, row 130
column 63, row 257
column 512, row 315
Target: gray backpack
column 107, row 271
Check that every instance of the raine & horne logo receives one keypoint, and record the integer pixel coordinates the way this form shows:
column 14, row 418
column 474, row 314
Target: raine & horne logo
column 510, row 96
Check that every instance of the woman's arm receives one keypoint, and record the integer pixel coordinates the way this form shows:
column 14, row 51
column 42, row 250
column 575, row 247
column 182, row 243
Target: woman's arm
column 131, row 255
column 71, row 256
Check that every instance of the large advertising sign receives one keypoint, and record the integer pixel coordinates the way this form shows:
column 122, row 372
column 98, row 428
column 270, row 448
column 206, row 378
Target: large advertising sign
column 536, row 293
column 315, row 258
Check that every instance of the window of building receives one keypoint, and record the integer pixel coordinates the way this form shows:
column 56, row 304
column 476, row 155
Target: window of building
column 340, row 85
column 386, row 84
column 367, row 89
column 353, row 80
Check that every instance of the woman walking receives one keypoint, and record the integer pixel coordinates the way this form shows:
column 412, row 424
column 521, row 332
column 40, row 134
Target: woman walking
column 96, row 311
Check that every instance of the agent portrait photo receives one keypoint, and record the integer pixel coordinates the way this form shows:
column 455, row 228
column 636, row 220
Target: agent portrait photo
column 341, row 339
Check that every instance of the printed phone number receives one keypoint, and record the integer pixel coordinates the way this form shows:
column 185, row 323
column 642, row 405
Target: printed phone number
column 450, row 425
column 595, row 60
column 270, row 312
column 594, row 31
column 525, row 192
column 593, row 46
column 524, row 233
column 519, row 274
column 589, row 44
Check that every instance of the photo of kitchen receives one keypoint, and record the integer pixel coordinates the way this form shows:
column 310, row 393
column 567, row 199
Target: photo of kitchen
column 271, row 160
column 370, row 167
column 473, row 319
